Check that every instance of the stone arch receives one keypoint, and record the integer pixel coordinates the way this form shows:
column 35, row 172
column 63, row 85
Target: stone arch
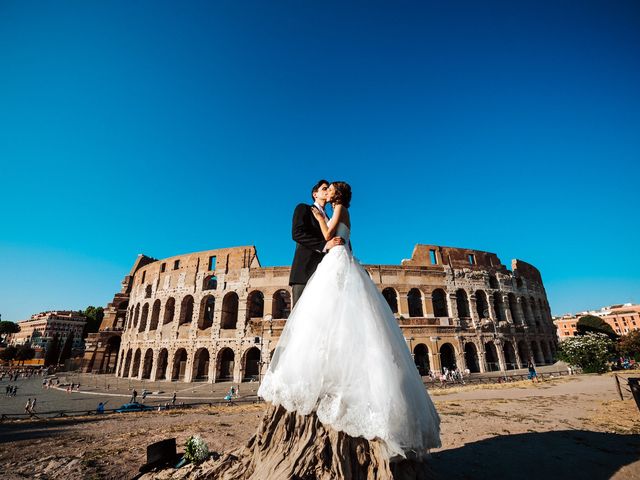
column 536, row 354
column 229, row 311
column 509, row 356
column 161, row 368
column 201, row 364
column 169, row 310
column 523, row 351
column 491, row 357
column 414, row 299
column 136, row 364
column 110, row 355
column 179, row 367
column 147, row 291
column 186, row 310
column 136, row 316
column 281, row 304
column 251, row 364
column 255, row 304
column 498, row 306
column 147, row 364
column 471, row 357
column 421, row 358
column 391, row 296
column 155, row 315
column 462, row 302
column 225, row 362
column 127, row 364
column 207, row 308
column 210, row 282
column 493, row 282
column 447, row 356
column 546, row 354
column 513, row 308
column 439, row 301
column 482, row 305
column 144, row 317
column 525, row 311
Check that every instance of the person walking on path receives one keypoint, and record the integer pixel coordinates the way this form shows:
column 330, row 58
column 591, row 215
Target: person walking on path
column 134, row 396
column 173, row 399
column 533, row 375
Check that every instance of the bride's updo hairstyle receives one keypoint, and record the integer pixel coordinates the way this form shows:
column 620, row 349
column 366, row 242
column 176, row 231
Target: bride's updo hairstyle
column 343, row 194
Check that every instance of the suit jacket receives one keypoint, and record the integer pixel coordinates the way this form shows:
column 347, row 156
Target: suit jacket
column 306, row 232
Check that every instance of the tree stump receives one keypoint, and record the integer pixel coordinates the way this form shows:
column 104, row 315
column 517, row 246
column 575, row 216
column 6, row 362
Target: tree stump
column 296, row 447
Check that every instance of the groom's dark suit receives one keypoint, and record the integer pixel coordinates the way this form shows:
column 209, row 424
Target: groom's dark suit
column 310, row 242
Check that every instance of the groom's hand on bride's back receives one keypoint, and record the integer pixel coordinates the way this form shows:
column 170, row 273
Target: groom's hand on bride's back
column 334, row 242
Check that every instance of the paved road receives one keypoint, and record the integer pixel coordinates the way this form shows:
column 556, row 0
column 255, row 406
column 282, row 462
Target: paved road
column 107, row 388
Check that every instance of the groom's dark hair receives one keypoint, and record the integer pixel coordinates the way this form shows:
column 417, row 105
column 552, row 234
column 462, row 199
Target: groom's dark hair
column 317, row 186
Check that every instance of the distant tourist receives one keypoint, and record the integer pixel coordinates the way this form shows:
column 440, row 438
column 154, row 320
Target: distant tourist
column 134, row 396
column 533, row 375
column 173, row 399
column 100, row 408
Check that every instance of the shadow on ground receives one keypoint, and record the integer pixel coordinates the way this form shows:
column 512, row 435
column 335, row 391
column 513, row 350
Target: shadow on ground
column 548, row 455
column 33, row 429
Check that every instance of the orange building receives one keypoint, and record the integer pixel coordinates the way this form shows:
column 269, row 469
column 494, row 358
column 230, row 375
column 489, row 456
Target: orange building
column 622, row 318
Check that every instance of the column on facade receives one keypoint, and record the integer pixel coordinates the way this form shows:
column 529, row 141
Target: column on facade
column 427, row 305
column 452, row 306
column 500, row 351
column 473, row 307
column 517, row 353
column 237, row 367
column 170, row 357
column 403, row 303
column 482, row 360
column 492, row 310
column 154, row 364
column 188, row 368
column 507, row 308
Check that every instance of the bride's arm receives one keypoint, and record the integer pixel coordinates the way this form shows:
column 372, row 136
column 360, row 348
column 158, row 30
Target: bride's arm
column 329, row 229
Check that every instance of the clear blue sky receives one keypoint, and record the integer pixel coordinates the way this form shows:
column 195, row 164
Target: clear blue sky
column 170, row 127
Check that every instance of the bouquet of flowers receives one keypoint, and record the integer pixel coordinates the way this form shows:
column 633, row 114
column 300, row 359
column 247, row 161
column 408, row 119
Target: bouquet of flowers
column 196, row 451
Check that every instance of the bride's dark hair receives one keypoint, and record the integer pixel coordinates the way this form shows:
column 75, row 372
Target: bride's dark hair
column 343, row 193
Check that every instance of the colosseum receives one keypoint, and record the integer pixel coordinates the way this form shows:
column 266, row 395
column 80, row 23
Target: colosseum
column 217, row 315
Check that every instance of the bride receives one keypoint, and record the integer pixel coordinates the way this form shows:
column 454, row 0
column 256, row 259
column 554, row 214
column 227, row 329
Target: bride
column 342, row 354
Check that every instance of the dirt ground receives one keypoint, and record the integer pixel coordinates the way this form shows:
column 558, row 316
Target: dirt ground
column 564, row 428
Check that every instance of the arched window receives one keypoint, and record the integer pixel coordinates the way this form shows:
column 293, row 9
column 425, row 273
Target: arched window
column 210, row 282
column 255, row 304
column 155, row 315
column 498, row 306
column 482, row 305
column 169, row 310
column 145, row 315
column 229, row 311
column 462, row 302
column 414, row 298
column 391, row 297
column 421, row 359
column 281, row 304
column 493, row 281
column 186, row 310
column 471, row 357
column 201, row 364
column 439, row 300
column 207, row 308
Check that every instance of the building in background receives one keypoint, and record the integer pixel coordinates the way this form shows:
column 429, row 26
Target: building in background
column 217, row 315
column 622, row 318
column 41, row 327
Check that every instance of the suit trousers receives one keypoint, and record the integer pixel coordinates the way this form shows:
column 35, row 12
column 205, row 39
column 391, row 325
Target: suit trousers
column 296, row 289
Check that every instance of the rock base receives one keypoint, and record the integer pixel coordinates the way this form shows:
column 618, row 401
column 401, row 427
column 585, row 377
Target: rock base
column 296, row 447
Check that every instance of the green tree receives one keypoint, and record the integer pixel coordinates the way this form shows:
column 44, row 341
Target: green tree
column 629, row 344
column 52, row 351
column 8, row 353
column 590, row 351
column 94, row 319
column 65, row 353
column 593, row 324
column 7, row 327
column 25, row 352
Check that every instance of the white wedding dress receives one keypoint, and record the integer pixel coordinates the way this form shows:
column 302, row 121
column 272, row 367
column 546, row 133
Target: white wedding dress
column 342, row 355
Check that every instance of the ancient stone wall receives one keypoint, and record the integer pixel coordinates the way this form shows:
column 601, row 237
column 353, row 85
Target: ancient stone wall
column 217, row 315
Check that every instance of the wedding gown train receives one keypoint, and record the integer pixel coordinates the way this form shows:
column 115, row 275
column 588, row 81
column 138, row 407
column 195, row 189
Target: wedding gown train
column 342, row 355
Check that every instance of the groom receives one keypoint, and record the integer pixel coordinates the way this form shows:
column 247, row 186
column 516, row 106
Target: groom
column 310, row 243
